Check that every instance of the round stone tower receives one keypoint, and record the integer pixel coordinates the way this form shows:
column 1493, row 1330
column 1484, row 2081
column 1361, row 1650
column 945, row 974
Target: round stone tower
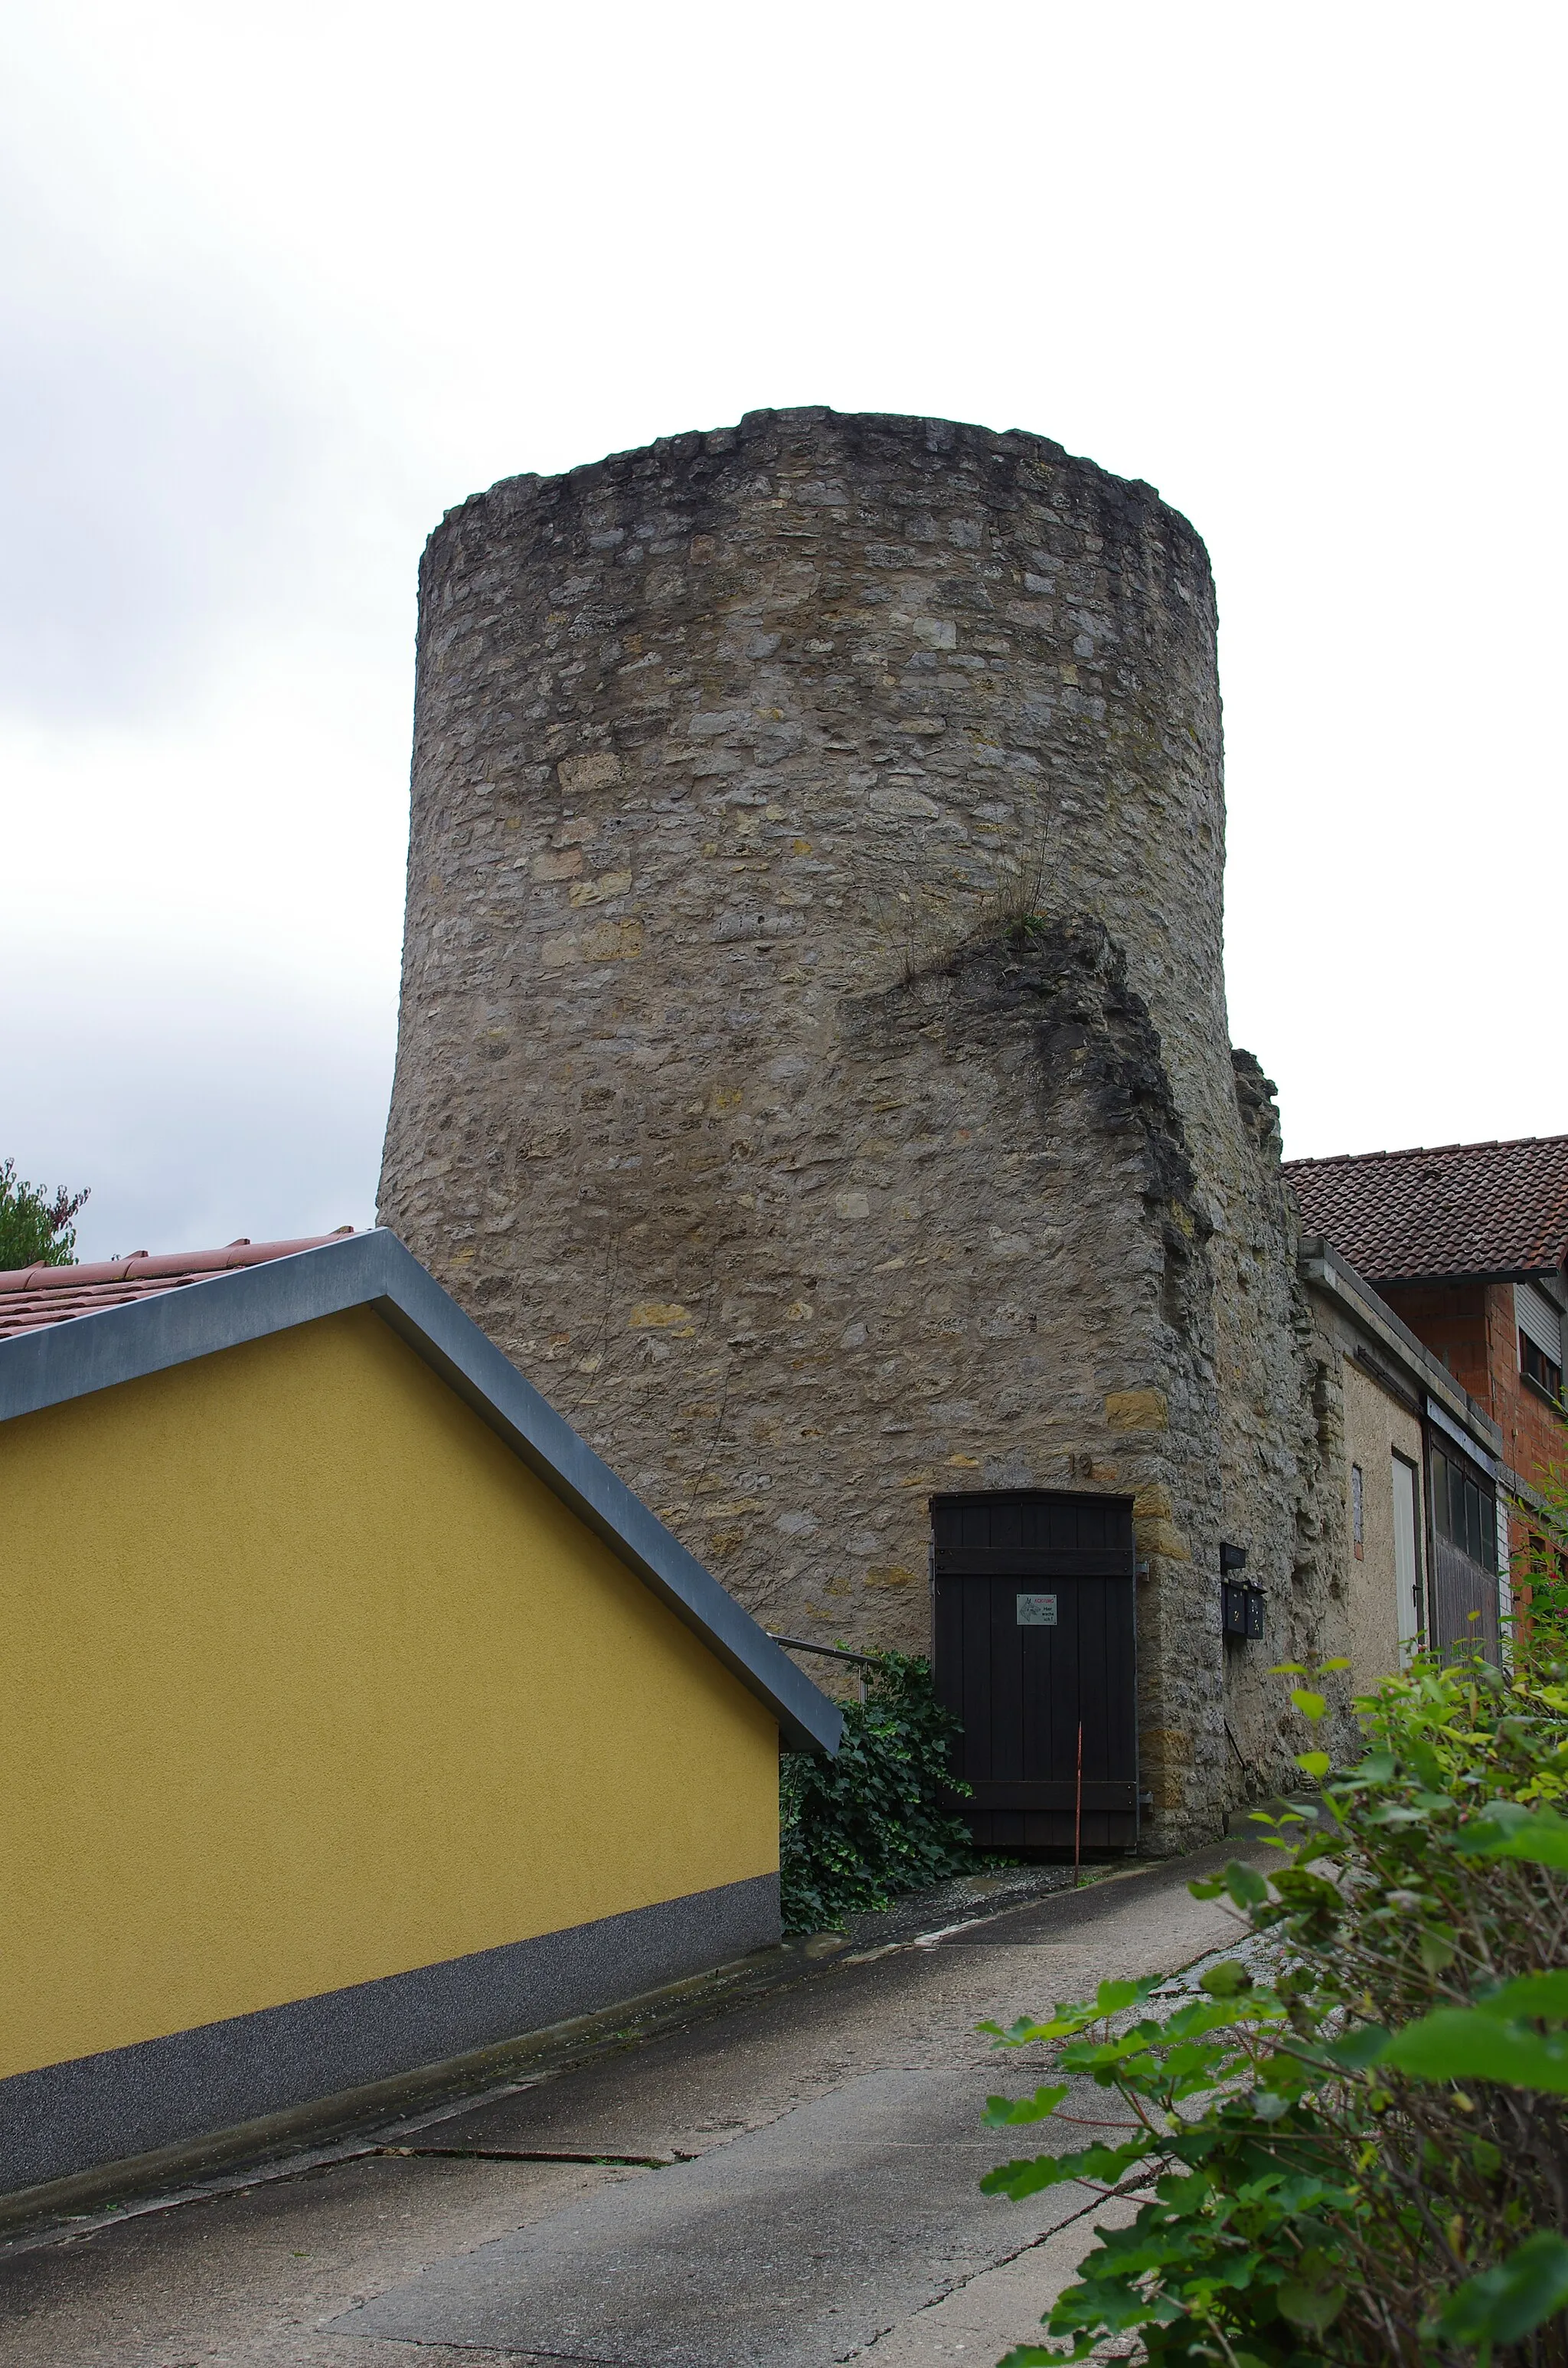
column 813, row 1068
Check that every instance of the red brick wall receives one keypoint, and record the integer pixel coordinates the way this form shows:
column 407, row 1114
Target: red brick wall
column 1535, row 1436
column 1471, row 1326
column 1452, row 1320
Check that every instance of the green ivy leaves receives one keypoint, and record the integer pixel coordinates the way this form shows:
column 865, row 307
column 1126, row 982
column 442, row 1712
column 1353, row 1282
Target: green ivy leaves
column 878, row 1819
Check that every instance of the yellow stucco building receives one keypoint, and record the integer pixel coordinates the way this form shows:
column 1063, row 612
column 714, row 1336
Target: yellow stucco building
column 353, row 1715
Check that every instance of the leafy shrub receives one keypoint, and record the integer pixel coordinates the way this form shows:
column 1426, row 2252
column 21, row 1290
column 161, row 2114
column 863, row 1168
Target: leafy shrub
column 1539, row 1572
column 1365, row 2158
column 875, row 1820
column 35, row 1230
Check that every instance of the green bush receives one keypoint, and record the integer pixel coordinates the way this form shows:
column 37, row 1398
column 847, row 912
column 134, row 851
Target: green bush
column 1540, row 1571
column 1364, row 2158
column 35, row 1230
column 874, row 1821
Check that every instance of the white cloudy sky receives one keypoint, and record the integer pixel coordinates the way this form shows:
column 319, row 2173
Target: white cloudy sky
column 278, row 285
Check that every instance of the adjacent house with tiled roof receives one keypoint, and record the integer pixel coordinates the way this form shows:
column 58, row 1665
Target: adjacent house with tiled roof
column 1467, row 1211
column 1466, row 1245
column 354, row 1716
column 1469, row 1244
column 33, row 1296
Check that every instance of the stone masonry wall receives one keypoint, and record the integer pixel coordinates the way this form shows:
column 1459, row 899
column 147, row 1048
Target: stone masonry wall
column 813, row 1065
column 1281, row 1448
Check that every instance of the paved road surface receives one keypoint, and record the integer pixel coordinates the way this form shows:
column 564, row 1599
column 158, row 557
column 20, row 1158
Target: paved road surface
column 822, row 2146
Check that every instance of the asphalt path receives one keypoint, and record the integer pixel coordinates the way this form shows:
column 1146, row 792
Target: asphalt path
column 788, row 2183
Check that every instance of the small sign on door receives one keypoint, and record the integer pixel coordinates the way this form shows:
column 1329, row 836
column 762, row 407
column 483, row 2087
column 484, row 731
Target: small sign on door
column 1037, row 1610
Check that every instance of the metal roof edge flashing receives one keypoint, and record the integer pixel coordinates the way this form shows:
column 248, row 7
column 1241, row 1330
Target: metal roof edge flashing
column 1463, row 1438
column 63, row 1361
column 105, row 1345
column 1464, row 1278
column 1320, row 1263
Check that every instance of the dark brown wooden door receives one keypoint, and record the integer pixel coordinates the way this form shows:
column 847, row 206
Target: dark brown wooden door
column 1034, row 1631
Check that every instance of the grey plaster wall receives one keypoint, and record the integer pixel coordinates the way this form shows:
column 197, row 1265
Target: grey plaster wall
column 813, row 1068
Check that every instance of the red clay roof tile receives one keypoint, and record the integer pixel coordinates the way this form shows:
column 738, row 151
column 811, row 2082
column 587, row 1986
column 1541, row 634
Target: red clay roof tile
column 33, row 1296
column 1466, row 1209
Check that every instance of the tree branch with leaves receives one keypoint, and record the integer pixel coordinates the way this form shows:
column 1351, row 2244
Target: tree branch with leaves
column 34, row 1229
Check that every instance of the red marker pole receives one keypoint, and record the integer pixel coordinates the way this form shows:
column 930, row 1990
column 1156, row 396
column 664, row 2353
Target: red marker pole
column 1078, row 1816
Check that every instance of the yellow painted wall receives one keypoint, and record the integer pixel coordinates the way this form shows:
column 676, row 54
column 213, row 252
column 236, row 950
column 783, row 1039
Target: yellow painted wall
column 1376, row 1429
column 305, row 1679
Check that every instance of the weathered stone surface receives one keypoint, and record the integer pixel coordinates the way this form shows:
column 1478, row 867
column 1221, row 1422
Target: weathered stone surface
column 814, row 1066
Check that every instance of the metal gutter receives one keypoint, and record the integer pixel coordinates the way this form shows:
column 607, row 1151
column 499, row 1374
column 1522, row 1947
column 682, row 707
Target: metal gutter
column 1321, row 1264
column 1490, row 1464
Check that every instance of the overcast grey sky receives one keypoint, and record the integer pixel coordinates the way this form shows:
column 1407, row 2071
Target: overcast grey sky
column 280, row 285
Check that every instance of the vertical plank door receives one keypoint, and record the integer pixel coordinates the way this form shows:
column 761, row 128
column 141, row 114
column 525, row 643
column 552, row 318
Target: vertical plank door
column 1034, row 1630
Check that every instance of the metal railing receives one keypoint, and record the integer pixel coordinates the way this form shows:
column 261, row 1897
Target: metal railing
column 829, row 1653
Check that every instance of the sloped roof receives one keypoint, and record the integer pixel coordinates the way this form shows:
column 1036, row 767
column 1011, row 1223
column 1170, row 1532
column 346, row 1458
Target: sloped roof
column 1465, row 1209
column 281, row 1285
column 32, row 1295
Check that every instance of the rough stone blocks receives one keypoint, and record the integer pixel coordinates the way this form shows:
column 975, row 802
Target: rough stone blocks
column 814, row 1066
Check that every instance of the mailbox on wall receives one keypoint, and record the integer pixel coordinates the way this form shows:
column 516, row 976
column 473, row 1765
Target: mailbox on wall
column 1241, row 1600
column 1241, row 1610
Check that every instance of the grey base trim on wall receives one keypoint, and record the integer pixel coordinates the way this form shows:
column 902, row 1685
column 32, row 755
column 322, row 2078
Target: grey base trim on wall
column 68, row 2118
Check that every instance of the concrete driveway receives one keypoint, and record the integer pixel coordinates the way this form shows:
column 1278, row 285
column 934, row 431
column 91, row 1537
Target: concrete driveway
column 785, row 2183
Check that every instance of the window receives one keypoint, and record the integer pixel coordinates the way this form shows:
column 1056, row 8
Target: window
column 1464, row 1511
column 1540, row 1321
column 1538, row 1367
column 1358, row 1511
